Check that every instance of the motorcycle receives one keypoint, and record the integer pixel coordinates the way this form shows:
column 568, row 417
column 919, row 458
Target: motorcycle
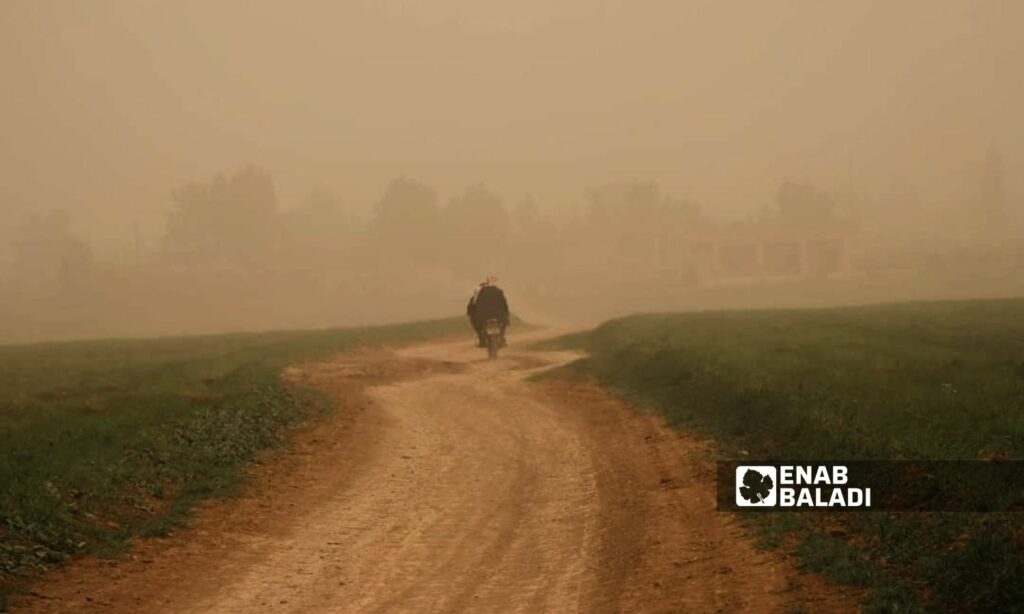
column 495, row 335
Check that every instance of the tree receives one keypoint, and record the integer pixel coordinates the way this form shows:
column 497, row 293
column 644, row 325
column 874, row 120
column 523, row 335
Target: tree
column 525, row 218
column 477, row 226
column 616, row 202
column 406, row 219
column 478, row 216
column 638, row 204
column 228, row 222
column 406, row 208
column 322, row 221
column 802, row 204
column 47, row 254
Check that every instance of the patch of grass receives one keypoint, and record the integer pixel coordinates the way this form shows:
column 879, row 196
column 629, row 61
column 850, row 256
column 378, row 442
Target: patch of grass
column 105, row 440
column 908, row 381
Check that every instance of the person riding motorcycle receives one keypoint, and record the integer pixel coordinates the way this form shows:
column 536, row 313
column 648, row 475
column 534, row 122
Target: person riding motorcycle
column 488, row 303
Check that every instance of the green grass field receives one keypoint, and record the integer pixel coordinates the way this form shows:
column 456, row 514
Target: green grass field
column 904, row 381
column 105, row 440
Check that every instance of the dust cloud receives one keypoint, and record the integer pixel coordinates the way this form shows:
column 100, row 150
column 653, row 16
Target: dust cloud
column 204, row 166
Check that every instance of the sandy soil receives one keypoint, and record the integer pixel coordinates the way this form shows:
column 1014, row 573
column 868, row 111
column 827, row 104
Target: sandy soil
column 451, row 483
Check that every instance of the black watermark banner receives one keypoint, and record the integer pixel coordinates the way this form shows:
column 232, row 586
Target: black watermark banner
column 903, row 486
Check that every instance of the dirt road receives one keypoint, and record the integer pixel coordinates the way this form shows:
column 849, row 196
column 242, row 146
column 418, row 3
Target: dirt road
column 450, row 483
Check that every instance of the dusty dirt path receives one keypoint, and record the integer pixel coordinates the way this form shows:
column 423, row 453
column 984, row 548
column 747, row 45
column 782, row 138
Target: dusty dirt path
column 450, row 483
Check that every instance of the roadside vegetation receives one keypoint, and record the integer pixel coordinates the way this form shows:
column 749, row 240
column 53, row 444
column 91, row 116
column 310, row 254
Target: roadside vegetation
column 101, row 441
column 942, row 381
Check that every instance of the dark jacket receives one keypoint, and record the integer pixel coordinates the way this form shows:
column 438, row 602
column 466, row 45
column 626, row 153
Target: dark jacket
column 488, row 304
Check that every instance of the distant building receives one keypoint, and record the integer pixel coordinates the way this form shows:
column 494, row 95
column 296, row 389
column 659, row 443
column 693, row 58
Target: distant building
column 753, row 251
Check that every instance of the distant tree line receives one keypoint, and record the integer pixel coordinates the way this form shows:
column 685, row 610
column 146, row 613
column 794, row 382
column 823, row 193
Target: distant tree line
column 232, row 256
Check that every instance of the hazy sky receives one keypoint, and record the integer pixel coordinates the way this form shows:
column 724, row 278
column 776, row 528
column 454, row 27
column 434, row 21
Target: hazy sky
column 107, row 104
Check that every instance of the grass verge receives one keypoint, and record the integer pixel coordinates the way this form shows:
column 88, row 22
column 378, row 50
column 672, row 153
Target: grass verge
column 105, row 440
column 908, row 381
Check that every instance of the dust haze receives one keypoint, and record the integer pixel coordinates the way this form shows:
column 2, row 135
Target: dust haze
column 209, row 166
